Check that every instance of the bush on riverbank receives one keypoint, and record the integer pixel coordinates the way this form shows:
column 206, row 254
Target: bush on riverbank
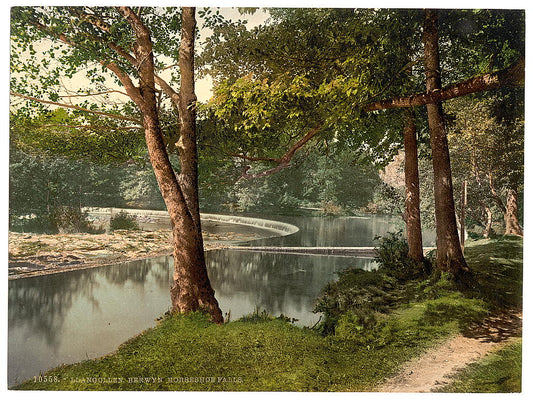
column 260, row 353
column 123, row 221
column 361, row 297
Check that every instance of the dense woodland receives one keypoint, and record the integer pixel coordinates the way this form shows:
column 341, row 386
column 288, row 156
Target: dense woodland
column 308, row 108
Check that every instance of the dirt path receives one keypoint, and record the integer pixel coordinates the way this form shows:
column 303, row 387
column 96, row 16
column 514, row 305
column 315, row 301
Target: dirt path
column 433, row 369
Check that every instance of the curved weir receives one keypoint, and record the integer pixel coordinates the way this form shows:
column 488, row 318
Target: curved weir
column 284, row 229
column 280, row 228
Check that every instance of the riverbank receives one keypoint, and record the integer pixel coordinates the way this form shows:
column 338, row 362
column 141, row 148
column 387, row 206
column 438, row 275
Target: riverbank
column 33, row 254
column 261, row 353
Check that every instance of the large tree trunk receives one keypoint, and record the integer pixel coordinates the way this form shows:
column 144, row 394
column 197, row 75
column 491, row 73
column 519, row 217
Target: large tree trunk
column 449, row 254
column 187, row 147
column 412, row 189
column 191, row 290
column 512, row 225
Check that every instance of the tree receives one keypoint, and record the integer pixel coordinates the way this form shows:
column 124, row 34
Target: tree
column 121, row 42
column 413, row 222
column 449, row 253
column 486, row 147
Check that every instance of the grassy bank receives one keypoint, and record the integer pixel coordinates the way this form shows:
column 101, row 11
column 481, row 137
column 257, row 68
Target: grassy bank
column 189, row 353
column 186, row 352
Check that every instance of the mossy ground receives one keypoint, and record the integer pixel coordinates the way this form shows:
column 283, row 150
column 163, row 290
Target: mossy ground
column 260, row 353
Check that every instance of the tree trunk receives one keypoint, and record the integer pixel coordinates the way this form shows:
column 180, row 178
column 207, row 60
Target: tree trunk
column 412, row 189
column 449, row 254
column 191, row 289
column 187, row 147
column 512, row 225
column 488, row 224
column 464, row 197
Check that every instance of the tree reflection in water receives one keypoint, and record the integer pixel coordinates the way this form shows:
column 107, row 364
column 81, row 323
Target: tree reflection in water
column 71, row 316
column 278, row 283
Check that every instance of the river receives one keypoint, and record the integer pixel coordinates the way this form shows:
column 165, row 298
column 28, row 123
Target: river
column 72, row 316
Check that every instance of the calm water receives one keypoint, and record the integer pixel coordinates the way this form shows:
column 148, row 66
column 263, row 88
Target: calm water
column 72, row 316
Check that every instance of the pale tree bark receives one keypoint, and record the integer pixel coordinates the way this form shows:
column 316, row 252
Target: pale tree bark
column 488, row 223
column 512, row 225
column 449, row 254
column 508, row 208
column 412, row 189
column 187, row 147
column 464, row 201
column 191, row 290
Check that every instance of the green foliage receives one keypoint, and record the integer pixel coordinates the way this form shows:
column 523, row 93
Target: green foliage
column 393, row 258
column 41, row 185
column 139, row 189
column 487, row 150
column 357, row 301
column 497, row 372
column 124, row 221
column 360, row 294
column 335, row 183
column 63, row 133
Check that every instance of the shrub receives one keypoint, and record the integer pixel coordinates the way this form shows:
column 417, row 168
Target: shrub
column 69, row 219
column 360, row 293
column 124, row 221
column 393, row 258
column 329, row 208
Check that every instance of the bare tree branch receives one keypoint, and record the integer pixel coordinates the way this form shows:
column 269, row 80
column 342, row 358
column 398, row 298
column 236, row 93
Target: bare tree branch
column 91, row 127
column 76, row 95
column 284, row 161
column 510, row 77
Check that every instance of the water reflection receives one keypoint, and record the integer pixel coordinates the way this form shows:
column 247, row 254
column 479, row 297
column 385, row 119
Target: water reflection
column 347, row 231
column 68, row 317
column 278, row 283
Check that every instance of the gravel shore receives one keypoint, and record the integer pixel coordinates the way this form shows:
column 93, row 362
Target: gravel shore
column 33, row 254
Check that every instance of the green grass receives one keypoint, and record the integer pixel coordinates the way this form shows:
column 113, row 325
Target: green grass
column 497, row 266
column 498, row 372
column 259, row 353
